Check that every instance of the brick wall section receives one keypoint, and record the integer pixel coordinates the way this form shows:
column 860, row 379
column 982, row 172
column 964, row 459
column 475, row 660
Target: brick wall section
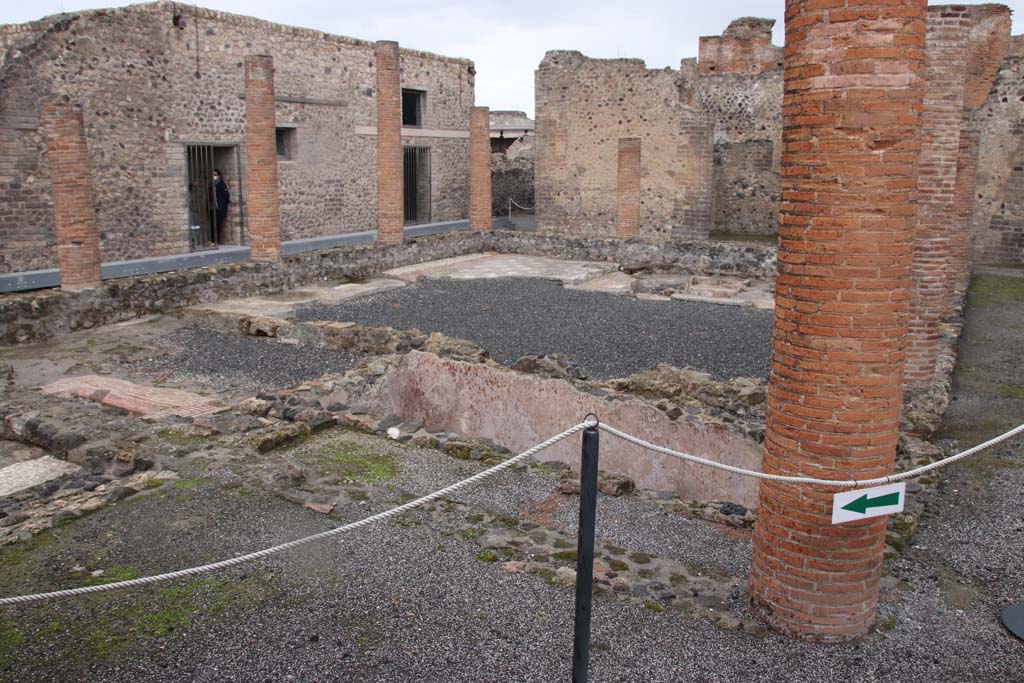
column 745, row 47
column 584, row 106
column 956, row 73
column 480, row 200
column 627, row 193
column 853, row 88
column 261, row 160
column 74, row 202
column 390, row 212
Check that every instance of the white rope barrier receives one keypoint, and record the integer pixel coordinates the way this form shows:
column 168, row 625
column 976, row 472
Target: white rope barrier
column 512, row 202
column 836, row 483
column 224, row 564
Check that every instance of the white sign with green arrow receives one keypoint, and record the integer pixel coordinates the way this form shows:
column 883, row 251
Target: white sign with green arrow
column 864, row 503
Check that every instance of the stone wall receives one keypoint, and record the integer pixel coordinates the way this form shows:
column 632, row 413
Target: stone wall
column 998, row 224
column 583, row 107
column 148, row 87
column 37, row 316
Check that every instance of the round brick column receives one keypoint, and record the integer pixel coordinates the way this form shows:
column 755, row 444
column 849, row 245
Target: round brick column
column 627, row 196
column 74, row 203
column 852, row 108
column 261, row 160
column 480, row 199
column 390, row 208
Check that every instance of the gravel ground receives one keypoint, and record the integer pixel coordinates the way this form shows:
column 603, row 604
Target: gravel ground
column 605, row 334
column 408, row 602
column 244, row 362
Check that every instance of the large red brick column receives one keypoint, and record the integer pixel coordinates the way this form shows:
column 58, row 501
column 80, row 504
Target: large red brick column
column 480, row 201
column 852, row 104
column 261, row 160
column 627, row 196
column 74, row 204
column 390, row 210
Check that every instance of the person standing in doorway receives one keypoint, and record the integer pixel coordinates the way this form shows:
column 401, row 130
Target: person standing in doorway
column 222, row 199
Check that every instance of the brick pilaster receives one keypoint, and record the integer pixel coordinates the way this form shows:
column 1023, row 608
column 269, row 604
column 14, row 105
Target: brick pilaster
column 390, row 210
column 627, row 191
column 851, row 108
column 959, row 264
column 946, row 49
column 261, row 160
column 74, row 203
column 481, row 209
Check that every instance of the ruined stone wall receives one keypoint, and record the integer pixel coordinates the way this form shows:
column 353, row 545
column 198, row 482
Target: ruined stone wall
column 738, row 85
column 583, row 107
column 148, row 88
column 998, row 221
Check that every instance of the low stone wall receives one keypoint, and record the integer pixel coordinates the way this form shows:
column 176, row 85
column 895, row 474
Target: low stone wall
column 704, row 257
column 518, row 410
column 38, row 316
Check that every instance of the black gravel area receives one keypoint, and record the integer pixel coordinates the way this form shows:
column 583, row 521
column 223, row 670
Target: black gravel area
column 606, row 335
column 247, row 363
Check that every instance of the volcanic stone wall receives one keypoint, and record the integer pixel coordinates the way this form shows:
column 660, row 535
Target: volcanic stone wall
column 998, row 220
column 583, row 107
column 154, row 78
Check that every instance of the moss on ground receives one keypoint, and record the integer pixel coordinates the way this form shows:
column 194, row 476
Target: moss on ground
column 993, row 289
column 177, row 437
column 346, row 454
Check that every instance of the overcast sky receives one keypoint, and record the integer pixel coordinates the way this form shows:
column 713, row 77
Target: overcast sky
column 506, row 39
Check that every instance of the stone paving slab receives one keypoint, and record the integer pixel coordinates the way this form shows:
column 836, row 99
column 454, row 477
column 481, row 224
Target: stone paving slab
column 612, row 283
column 491, row 266
column 148, row 402
column 280, row 305
column 25, row 475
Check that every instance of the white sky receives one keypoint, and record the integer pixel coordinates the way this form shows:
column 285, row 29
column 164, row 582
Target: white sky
column 506, row 39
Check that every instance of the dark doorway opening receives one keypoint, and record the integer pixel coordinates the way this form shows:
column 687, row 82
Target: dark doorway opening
column 416, row 184
column 204, row 231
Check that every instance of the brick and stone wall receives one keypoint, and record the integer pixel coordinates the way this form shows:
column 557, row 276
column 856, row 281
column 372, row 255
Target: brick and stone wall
column 583, row 107
column 148, row 88
column 744, row 47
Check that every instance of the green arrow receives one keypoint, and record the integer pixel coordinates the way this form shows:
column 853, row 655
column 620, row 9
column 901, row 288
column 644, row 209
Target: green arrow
column 862, row 504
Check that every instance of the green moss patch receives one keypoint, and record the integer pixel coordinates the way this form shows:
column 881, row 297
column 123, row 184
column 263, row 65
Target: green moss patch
column 993, row 289
column 346, row 454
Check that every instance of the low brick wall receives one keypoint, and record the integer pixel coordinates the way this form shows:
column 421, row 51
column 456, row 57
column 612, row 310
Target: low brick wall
column 37, row 316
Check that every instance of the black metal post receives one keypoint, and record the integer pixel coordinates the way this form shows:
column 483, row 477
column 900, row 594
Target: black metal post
column 585, row 556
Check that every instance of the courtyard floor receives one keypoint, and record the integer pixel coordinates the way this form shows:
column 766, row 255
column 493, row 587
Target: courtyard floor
column 444, row 594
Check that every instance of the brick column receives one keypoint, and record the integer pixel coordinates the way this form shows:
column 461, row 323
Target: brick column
column 261, row 160
column 480, row 201
column 959, row 263
column 74, row 203
column 627, row 191
column 390, row 209
column 851, row 109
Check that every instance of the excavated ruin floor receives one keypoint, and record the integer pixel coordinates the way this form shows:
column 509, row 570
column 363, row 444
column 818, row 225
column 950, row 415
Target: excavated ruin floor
column 606, row 335
column 476, row 588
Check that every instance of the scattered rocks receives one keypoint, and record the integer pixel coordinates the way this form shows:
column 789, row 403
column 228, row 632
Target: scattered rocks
column 557, row 365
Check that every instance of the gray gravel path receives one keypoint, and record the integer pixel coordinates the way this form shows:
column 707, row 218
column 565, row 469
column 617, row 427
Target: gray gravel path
column 605, row 334
column 244, row 362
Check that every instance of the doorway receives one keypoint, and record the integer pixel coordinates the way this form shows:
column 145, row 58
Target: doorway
column 416, row 184
column 204, row 232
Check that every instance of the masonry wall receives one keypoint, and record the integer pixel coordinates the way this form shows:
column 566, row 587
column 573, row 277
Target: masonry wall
column 583, row 107
column 997, row 223
column 148, row 88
